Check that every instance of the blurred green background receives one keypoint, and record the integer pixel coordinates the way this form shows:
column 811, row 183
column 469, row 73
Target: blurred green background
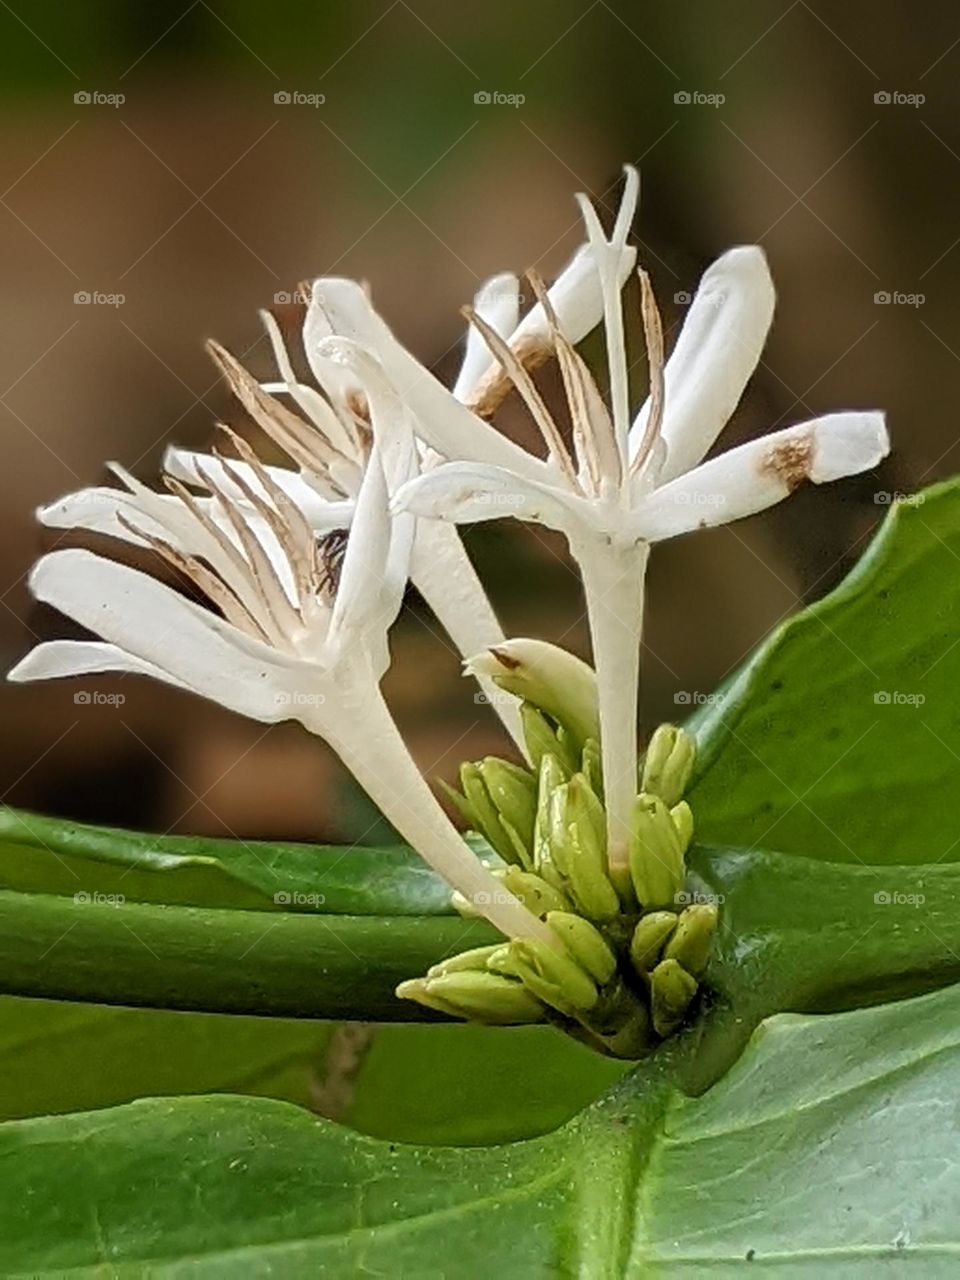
column 202, row 196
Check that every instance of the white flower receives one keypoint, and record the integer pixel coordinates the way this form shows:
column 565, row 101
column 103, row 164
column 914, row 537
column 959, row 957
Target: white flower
column 627, row 485
column 301, row 631
column 330, row 446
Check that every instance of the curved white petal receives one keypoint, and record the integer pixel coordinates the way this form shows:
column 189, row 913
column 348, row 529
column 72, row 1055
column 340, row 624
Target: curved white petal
column 441, row 420
column 323, row 514
column 760, row 473
column 375, row 570
column 442, row 572
column 308, row 399
column 717, row 351
column 96, row 509
column 498, row 302
column 193, row 647
column 57, row 658
column 468, row 493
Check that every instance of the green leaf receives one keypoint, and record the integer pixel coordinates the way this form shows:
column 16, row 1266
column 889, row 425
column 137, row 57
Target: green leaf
column 53, row 855
column 829, row 1148
column 411, row 1084
column 58, row 1057
column 821, row 745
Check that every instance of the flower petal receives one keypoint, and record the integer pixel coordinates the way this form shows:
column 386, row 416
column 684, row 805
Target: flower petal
column 469, row 492
column 442, row 572
column 762, row 472
column 717, row 351
column 159, row 629
column 441, row 420
column 323, row 514
column 498, row 302
column 56, row 658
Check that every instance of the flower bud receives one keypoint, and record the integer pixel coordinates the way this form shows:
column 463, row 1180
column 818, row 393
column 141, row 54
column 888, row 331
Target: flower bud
column 475, row 959
column 671, row 991
column 585, row 944
column 577, row 837
column 591, row 766
column 586, row 875
column 554, row 680
column 682, row 816
column 543, row 738
column 483, row 997
column 550, row 802
column 668, row 764
column 536, row 893
column 552, row 976
column 655, row 854
column 482, row 814
column 690, row 944
column 649, row 938
column 513, row 791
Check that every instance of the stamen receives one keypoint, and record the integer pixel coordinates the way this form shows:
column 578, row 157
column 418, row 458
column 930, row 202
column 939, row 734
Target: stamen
column 286, row 520
column 593, row 436
column 205, row 579
column 502, row 352
column 305, row 445
column 336, row 426
column 277, row 614
column 531, row 351
column 653, row 335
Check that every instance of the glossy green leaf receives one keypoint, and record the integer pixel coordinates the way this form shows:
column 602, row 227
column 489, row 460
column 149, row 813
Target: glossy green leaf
column 410, row 1083
column 828, row 1149
column 840, row 738
column 53, row 855
column 59, row 1057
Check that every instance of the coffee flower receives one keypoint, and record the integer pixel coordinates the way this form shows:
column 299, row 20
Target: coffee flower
column 293, row 627
column 626, row 484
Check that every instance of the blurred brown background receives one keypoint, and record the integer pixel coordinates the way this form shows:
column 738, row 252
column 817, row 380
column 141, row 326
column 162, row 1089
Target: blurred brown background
column 201, row 196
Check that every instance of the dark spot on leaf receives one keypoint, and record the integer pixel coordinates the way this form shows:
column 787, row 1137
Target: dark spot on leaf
column 776, row 685
column 751, row 1254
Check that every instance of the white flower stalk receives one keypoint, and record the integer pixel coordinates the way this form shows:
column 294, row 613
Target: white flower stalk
column 625, row 486
column 300, row 630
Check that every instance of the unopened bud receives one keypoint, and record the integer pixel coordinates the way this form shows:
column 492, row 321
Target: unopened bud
column 550, row 802
column 536, row 893
column 655, row 854
column 552, row 679
column 585, row 944
column 691, row 943
column 553, row 976
column 671, row 991
column 475, row 959
column 591, row 766
column 649, row 938
column 480, row 996
column 586, row 874
column 578, row 848
column 543, row 738
column 482, row 814
column 668, row 764
column 682, row 816
column 513, row 791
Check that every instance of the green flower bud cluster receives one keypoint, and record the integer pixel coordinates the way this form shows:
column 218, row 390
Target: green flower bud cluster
column 629, row 952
